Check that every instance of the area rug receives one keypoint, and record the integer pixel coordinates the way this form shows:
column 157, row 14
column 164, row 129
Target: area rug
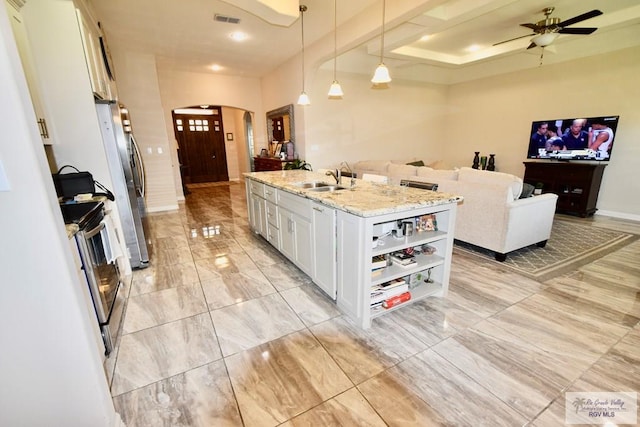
column 571, row 245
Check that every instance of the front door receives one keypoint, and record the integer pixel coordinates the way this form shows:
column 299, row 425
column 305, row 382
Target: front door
column 202, row 153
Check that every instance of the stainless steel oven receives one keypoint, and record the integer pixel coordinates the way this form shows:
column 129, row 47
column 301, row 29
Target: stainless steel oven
column 100, row 268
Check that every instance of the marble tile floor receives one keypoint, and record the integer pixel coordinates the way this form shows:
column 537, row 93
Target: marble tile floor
column 221, row 330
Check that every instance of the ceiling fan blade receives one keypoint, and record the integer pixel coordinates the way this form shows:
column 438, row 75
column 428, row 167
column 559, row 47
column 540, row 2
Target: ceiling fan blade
column 532, row 45
column 579, row 18
column 577, row 30
column 533, row 27
column 515, row 38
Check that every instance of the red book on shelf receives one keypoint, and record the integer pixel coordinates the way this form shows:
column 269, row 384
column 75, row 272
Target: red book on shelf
column 396, row 300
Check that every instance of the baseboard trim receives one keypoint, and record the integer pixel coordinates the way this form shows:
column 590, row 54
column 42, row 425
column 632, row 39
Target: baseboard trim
column 163, row 208
column 620, row 215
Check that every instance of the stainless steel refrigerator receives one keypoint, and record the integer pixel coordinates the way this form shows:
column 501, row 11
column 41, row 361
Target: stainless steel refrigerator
column 127, row 175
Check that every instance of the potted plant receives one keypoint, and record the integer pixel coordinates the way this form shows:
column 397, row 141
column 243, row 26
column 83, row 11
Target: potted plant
column 297, row 164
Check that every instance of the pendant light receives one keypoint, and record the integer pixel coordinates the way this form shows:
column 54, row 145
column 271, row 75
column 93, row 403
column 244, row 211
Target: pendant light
column 303, row 99
column 335, row 91
column 381, row 75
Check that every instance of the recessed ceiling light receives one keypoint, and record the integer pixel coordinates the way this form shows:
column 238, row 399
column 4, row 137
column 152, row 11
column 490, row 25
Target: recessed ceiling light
column 473, row 48
column 216, row 67
column 425, row 38
column 238, row 36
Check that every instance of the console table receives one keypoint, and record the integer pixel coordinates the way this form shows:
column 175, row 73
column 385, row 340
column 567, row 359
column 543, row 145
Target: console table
column 576, row 184
column 262, row 164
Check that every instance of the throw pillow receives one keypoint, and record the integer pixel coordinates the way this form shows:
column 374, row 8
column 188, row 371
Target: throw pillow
column 439, row 164
column 527, row 190
column 416, row 163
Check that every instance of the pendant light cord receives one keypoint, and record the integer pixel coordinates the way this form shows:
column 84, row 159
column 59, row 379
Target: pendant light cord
column 303, row 9
column 335, row 38
column 382, row 36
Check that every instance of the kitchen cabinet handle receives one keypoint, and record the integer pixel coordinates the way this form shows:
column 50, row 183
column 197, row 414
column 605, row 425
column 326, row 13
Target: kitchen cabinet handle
column 44, row 132
column 318, row 209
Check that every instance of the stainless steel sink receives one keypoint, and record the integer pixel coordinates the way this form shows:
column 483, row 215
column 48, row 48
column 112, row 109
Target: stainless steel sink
column 327, row 187
column 312, row 184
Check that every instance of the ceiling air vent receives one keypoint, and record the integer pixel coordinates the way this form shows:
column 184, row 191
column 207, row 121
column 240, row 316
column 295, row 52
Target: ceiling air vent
column 228, row 19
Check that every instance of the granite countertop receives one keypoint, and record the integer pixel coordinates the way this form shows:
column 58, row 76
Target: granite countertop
column 72, row 229
column 364, row 199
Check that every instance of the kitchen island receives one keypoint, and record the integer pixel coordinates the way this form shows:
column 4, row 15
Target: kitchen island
column 345, row 238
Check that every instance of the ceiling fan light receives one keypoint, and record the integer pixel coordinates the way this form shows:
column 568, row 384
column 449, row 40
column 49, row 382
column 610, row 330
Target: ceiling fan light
column 303, row 99
column 335, row 91
column 545, row 39
column 381, row 75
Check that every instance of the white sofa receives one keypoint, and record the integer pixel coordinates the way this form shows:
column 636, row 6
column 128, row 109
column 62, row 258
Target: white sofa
column 492, row 215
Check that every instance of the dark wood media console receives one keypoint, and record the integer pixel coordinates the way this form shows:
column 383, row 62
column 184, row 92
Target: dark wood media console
column 576, row 184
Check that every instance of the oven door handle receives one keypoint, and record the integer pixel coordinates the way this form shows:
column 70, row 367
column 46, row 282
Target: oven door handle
column 89, row 234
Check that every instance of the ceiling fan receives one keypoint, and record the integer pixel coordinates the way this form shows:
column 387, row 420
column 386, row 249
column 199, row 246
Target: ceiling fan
column 547, row 30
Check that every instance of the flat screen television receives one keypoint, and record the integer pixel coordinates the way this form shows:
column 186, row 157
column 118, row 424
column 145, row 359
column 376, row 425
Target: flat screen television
column 582, row 138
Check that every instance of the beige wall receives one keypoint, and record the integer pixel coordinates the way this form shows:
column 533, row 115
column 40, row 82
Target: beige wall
column 403, row 122
column 180, row 89
column 151, row 92
column 493, row 115
column 138, row 89
column 427, row 121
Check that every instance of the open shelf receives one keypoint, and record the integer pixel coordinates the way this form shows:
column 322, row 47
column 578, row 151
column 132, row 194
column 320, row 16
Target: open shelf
column 391, row 244
column 393, row 271
column 419, row 292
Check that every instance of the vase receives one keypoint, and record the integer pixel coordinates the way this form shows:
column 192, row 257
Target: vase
column 491, row 166
column 483, row 162
column 476, row 160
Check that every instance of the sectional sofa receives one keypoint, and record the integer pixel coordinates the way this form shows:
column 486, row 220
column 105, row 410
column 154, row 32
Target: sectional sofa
column 493, row 214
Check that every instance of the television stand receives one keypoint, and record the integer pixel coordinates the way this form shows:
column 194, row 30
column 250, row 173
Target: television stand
column 576, row 184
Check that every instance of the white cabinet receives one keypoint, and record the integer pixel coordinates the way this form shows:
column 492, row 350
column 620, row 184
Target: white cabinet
column 261, row 216
column 324, row 248
column 273, row 223
column 302, row 230
column 95, row 52
column 20, row 35
column 294, row 213
column 263, row 211
column 335, row 248
column 252, row 208
column 287, row 234
column 304, row 249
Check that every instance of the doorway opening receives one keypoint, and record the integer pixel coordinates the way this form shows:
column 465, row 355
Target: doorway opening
column 248, row 130
column 201, row 144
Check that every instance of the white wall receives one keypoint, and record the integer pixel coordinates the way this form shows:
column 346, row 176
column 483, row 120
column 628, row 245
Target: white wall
column 50, row 367
column 493, row 115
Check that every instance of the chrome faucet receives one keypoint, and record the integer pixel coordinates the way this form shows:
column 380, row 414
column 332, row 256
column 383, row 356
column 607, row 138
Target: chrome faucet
column 344, row 166
column 336, row 175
